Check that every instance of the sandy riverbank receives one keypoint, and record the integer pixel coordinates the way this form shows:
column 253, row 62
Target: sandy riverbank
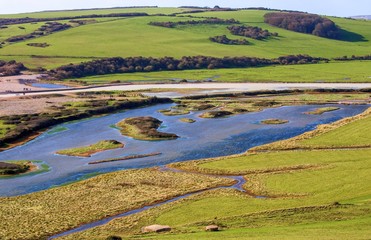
column 18, row 83
column 214, row 87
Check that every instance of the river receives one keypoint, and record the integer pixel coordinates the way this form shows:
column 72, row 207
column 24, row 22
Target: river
column 202, row 139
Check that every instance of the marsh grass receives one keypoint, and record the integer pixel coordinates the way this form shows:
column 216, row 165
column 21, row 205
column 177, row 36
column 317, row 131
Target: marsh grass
column 187, row 120
column 144, row 128
column 274, row 121
column 215, row 114
column 320, row 111
column 174, row 112
column 87, row 151
column 37, row 215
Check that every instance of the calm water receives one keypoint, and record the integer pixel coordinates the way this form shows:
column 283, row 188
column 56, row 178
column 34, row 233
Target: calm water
column 202, row 139
column 49, row 85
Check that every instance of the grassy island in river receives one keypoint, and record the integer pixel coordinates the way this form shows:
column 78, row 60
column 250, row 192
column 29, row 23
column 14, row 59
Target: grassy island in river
column 87, row 151
column 144, row 128
column 319, row 111
column 7, row 168
column 274, row 121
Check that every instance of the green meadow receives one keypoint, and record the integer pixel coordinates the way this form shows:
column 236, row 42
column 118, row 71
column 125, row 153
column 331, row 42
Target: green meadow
column 87, row 151
column 134, row 37
column 354, row 71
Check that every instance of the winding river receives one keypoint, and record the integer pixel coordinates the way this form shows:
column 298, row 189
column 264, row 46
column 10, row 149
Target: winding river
column 202, row 139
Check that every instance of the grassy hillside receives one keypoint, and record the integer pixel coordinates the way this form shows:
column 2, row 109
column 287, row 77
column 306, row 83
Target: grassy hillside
column 134, row 37
column 71, row 13
column 311, row 194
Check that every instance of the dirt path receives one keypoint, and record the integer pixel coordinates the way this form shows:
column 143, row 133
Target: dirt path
column 206, row 88
column 18, row 83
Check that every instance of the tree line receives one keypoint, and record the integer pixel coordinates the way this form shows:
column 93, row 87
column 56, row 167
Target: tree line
column 304, row 23
column 149, row 64
column 251, row 32
column 353, row 57
column 195, row 22
column 47, row 28
column 11, row 68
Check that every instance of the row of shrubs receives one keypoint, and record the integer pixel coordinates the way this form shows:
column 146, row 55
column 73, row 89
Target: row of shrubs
column 353, row 57
column 42, row 45
column 11, row 68
column 195, row 22
column 47, row 28
column 11, row 21
column 144, row 64
column 251, row 32
column 304, row 23
column 223, row 39
column 31, row 123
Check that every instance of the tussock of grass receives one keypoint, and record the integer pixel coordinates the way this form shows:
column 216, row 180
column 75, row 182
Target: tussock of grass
column 187, row 120
column 215, row 114
column 87, row 151
column 174, row 112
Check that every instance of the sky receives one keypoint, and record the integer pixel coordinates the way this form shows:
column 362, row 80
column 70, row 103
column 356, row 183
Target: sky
column 341, row 8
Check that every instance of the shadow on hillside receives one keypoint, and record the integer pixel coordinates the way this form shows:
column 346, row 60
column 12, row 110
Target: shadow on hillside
column 351, row 36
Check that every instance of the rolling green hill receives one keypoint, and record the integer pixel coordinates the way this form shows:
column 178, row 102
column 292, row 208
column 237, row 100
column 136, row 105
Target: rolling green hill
column 132, row 36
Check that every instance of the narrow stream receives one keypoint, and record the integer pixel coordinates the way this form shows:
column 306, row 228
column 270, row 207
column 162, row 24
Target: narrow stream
column 240, row 181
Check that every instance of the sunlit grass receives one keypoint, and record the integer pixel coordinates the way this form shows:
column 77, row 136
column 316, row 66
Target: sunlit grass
column 87, row 151
column 37, row 215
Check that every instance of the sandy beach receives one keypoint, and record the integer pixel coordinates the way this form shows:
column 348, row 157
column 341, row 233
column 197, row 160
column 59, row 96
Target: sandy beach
column 18, row 83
